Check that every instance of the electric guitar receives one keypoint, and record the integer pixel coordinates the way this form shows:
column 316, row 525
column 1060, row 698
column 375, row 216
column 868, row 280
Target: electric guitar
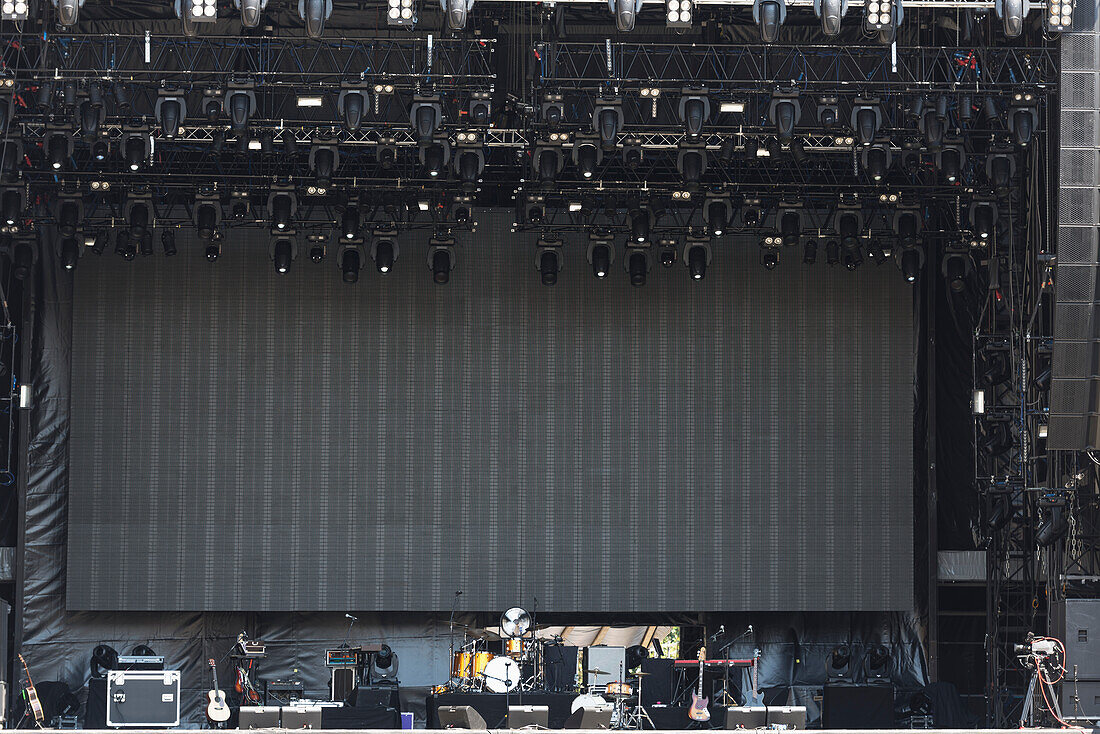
column 698, row 710
column 217, row 710
column 31, row 695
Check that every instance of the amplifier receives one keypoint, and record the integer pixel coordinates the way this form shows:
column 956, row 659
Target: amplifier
column 145, row 698
column 289, row 690
column 141, row 662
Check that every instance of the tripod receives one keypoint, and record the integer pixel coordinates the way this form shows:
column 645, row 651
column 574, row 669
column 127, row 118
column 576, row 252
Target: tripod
column 1046, row 692
column 637, row 717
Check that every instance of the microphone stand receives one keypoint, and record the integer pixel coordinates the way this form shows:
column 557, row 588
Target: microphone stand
column 347, row 634
column 450, row 661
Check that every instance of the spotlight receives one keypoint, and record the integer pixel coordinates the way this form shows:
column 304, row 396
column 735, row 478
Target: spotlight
column 212, row 104
column 692, row 162
column 809, row 252
column 601, row 253
column 866, row 119
column 878, row 15
column 385, row 253
column 639, row 225
column 678, row 13
column 251, row 11
column 290, row 143
column 282, row 254
column 434, row 158
column 839, row 663
column 832, row 252
column 135, row 150
column 400, row 13
column 850, row 225
column 207, row 215
column 1059, row 16
column 547, row 163
column 828, row 111
column 875, row 252
column 607, row 120
column 1023, row 118
column 168, row 242
column 70, row 252
column 212, row 252
column 626, row 13
column 425, row 115
column 68, row 217
column 931, row 127
column 387, row 156
column 316, row 251
column 548, row 263
column 769, row 15
column 91, row 117
column 769, row 256
column 697, row 258
column 752, row 149
column 23, row 260
column 751, row 213
column 552, row 111
column 456, row 12
column 535, row 209
column 798, row 151
column 1011, row 13
column 138, row 218
column 876, row 161
column 349, row 223
column 950, row 160
column 586, row 155
column 784, row 112
column 790, row 226
column 17, row 10
column 956, row 268
column 441, row 260
column 99, row 242
column 352, row 103
column 324, row 159
column 170, row 111
column 100, row 150
column 694, row 111
column 983, row 218
column 281, row 206
column 145, row 243
column 999, row 169
column 911, row 262
column 470, row 164
column 667, row 255
column 12, row 206
column 717, row 215
column 241, row 102
column 830, row 12
column 314, row 13
column 774, row 148
column 637, row 266
column 124, row 246
column 57, row 150
column 350, row 265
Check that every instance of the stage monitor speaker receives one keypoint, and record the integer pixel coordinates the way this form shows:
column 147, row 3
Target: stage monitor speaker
column 344, row 681
column 746, row 717
column 460, row 717
column 524, row 716
column 259, row 717
column 790, row 717
column 370, row 697
column 657, row 686
column 594, row 717
column 560, row 666
column 301, row 717
column 848, row 706
column 611, row 660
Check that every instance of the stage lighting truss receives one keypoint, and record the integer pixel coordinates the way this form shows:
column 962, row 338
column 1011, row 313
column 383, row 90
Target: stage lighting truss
column 866, row 119
column 435, row 156
column 600, row 253
column 769, row 15
column 1058, row 17
column 830, row 12
column 548, row 259
column 171, row 111
column 313, row 13
column 251, row 11
column 694, row 110
column 717, row 214
column 607, row 121
column 876, row 159
column 68, row 11
column 17, row 10
column 679, row 13
column 400, row 13
column 352, row 104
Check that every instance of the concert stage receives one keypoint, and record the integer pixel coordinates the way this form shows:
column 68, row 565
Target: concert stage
column 657, row 731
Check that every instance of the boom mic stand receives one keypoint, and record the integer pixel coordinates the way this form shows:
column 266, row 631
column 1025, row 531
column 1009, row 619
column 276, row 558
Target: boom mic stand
column 450, row 662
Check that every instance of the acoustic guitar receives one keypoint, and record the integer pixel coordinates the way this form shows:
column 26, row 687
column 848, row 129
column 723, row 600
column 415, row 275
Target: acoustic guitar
column 698, row 710
column 29, row 693
column 217, row 711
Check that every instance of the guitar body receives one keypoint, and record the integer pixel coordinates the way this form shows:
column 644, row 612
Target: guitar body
column 698, row 710
column 31, row 694
column 217, row 710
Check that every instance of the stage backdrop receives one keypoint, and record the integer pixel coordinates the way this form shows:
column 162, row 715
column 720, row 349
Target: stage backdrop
column 244, row 440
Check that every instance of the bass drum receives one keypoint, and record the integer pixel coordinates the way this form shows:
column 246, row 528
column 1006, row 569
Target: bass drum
column 587, row 700
column 501, row 675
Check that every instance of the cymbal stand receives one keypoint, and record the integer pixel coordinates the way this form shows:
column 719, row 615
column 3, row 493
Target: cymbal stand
column 638, row 717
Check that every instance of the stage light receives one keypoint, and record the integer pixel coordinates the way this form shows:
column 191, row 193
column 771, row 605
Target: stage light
column 457, row 12
column 769, row 15
column 850, row 225
column 145, row 243
column 607, row 121
column 384, row 255
column 1058, row 17
column 324, row 159
column 91, row 117
column 878, row 15
column 251, row 11
column 70, row 252
column 717, row 216
column 480, row 108
column 1055, row 525
column 839, row 663
column 790, row 226
column 751, row 213
column 798, row 151
column 637, row 266
column 170, row 111
column 1023, row 118
column 124, row 246
column 168, row 242
column 692, row 162
column 809, row 252
column 876, row 160
column 387, row 156
column 17, row 10
column 875, row 253
column 639, row 225
column 22, row 260
column 549, row 265
column 626, row 13
column 242, row 105
column 931, row 127
column 281, row 206
column 585, row 155
column 282, row 254
column 784, row 112
column 866, row 119
column 138, row 219
column 434, row 159
column 911, row 262
column 697, row 257
column 950, row 160
column 694, row 112
column 213, row 251
column 425, row 115
column 349, row 222
column 135, row 151
column 769, row 256
column 600, row 256
column 12, row 206
column 400, row 12
column 983, row 218
column 535, row 210
column 99, row 242
column 314, row 13
column 57, row 149
column 552, row 111
column 1011, row 13
column 830, row 12
column 678, row 13
column 68, row 217
column 352, row 104
column 470, row 164
column 956, row 267
column 442, row 263
column 206, row 219
column 667, row 255
column 832, row 252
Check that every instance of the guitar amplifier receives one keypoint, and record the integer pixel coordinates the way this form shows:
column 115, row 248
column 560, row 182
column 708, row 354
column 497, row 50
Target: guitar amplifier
column 145, row 698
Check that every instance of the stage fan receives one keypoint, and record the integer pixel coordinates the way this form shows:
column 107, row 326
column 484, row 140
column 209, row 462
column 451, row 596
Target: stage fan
column 515, row 622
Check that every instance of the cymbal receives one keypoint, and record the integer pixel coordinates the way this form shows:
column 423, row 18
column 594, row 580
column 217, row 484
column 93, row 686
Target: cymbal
column 641, row 673
column 596, row 671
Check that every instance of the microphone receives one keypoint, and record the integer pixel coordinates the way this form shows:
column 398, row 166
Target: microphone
column 458, row 593
column 750, row 629
column 353, row 619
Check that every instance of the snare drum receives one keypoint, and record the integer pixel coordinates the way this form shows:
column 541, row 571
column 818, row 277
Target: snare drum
column 513, row 648
column 623, row 690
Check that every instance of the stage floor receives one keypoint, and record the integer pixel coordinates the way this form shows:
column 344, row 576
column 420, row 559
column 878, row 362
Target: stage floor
column 604, row 731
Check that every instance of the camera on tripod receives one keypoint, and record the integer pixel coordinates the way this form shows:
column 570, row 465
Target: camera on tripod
column 1039, row 651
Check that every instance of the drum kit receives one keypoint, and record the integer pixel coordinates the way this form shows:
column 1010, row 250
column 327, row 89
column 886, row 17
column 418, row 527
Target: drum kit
column 520, row 667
